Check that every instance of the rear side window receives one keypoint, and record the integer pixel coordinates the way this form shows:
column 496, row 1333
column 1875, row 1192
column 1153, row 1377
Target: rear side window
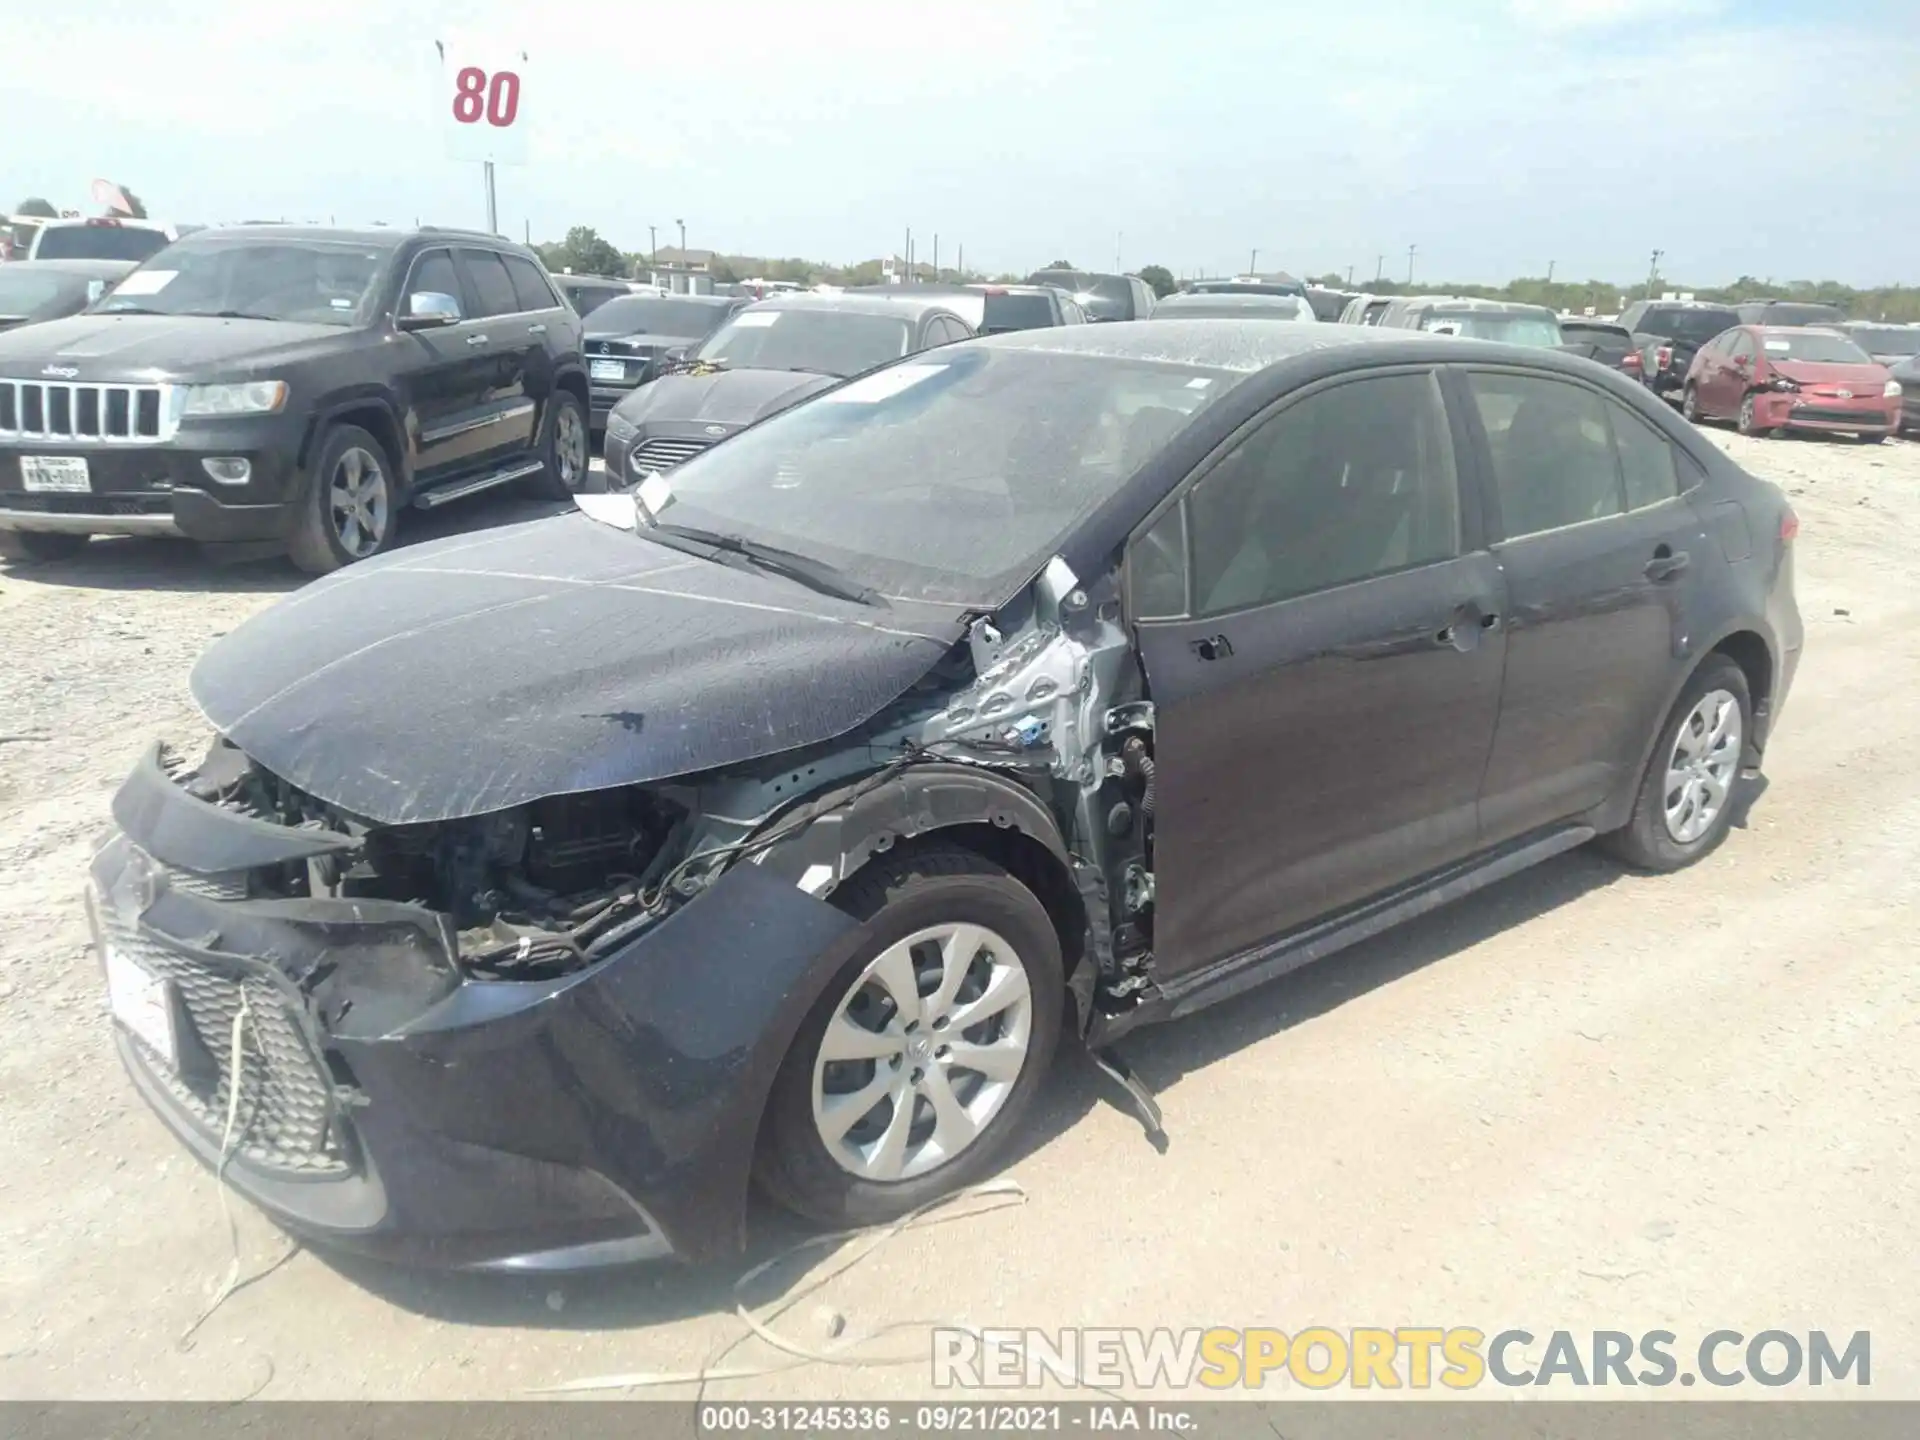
column 1552, row 452
column 492, row 288
column 1352, row 482
column 1646, row 459
column 1017, row 312
column 530, row 287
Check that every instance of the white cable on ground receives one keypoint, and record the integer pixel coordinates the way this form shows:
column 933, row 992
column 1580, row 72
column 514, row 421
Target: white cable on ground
column 236, row 1058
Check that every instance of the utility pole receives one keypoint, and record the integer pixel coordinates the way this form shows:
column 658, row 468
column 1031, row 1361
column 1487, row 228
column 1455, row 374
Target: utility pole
column 1349, row 277
column 960, row 266
column 653, row 247
column 1379, row 267
column 493, row 218
column 1653, row 272
column 1412, row 250
column 936, row 257
column 906, row 255
column 1253, row 264
column 1118, row 236
column 683, row 240
column 1550, row 265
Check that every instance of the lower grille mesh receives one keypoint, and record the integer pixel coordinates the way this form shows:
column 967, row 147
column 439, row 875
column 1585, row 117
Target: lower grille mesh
column 285, row 1116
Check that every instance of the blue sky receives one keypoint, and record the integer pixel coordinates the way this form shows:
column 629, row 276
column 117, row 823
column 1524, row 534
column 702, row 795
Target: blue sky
column 1762, row 137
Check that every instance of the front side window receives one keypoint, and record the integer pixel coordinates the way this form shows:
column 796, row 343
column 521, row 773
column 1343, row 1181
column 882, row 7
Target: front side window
column 1349, row 483
column 1552, row 451
column 492, row 288
column 434, row 274
column 309, row 281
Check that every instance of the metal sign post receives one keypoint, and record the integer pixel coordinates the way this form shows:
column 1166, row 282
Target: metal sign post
column 480, row 99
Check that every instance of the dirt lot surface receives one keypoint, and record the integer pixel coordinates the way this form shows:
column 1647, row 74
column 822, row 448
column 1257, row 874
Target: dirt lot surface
column 1580, row 1099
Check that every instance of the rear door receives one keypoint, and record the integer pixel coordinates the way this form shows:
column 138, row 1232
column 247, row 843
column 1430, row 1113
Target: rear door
column 1320, row 628
column 1600, row 551
column 508, row 409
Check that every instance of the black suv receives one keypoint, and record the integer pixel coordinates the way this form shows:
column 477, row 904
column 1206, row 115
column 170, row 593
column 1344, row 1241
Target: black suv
column 294, row 386
column 1667, row 334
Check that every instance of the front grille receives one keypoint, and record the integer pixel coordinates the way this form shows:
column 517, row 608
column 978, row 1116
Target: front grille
column 285, row 1118
column 662, row 454
column 90, row 504
column 619, row 347
column 1838, row 417
column 105, row 414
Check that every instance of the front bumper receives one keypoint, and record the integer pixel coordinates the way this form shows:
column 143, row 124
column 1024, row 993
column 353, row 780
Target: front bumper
column 161, row 487
column 398, row 1107
column 1877, row 415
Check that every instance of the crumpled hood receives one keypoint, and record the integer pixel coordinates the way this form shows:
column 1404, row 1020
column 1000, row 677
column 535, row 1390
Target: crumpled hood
column 105, row 347
column 560, row 655
column 727, row 397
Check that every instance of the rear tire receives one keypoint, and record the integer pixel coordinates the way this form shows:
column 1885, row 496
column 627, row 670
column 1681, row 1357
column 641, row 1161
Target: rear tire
column 1690, row 406
column 1686, row 799
column 567, row 450
column 954, row 925
column 350, row 509
column 40, row 546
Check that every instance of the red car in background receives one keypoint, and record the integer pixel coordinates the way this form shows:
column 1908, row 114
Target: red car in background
column 1774, row 378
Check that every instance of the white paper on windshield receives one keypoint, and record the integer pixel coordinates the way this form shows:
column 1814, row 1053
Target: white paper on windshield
column 756, row 319
column 654, row 493
column 883, row 386
column 616, row 510
column 145, row 282
column 1781, row 345
column 1200, row 382
column 95, row 289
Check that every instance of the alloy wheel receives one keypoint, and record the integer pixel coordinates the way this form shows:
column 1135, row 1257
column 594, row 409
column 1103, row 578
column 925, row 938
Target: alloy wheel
column 570, row 447
column 358, row 503
column 922, row 1052
column 1701, row 769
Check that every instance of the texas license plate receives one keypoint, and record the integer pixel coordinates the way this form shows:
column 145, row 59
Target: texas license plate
column 608, row 369
column 142, row 1002
column 62, row 473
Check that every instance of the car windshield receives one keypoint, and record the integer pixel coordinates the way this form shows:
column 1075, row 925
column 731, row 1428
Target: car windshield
column 1817, row 345
column 99, row 242
column 651, row 315
column 824, row 342
column 1541, row 330
column 946, row 479
column 1027, row 311
column 1883, row 339
column 1104, row 297
column 24, row 290
column 1688, row 325
column 324, row 282
column 1225, row 307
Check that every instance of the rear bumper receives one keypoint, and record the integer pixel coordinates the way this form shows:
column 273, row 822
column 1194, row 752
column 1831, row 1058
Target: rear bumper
column 400, row 1108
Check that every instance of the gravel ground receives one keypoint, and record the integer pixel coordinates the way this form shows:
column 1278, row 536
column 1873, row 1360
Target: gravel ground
column 1579, row 1099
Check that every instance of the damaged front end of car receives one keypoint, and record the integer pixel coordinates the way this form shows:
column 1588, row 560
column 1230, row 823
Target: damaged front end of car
column 540, row 1037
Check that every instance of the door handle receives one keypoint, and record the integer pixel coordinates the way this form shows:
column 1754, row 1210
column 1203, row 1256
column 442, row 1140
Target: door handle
column 476, row 339
column 536, row 329
column 1666, row 563
column 1212, row 647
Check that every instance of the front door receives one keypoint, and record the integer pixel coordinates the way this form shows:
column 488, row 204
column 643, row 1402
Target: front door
column 444, row 382
column 1322, row 638
column 1600, row 551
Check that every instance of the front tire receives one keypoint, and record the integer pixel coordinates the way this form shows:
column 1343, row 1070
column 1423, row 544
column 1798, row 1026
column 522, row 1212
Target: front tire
column 40, row 546
column 1749, row 423
column 1690, row 406
column 911, row 1073
column 349, row 512
column 1684, row 805
column 568, row 450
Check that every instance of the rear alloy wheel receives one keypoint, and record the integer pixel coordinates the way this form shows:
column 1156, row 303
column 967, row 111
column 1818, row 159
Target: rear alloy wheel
column 568, row 452
column 1686, row 798
column 913, row 1069
column 349, row 513
column 40, row 545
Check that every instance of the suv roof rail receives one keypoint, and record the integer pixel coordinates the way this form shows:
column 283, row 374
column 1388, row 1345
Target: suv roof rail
column 463, row 230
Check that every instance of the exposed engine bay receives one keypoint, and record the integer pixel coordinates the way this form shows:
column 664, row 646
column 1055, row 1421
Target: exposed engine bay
column 1047, row 693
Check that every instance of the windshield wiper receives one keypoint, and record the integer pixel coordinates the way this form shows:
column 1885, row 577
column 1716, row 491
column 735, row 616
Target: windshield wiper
column 814, row 574
column 233, row 315
column 131, row 310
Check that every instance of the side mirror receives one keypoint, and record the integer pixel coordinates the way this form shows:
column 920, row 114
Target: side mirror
column 429, row 310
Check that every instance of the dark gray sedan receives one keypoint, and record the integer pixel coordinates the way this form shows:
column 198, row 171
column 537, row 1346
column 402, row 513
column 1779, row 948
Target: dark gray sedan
column 33, row 290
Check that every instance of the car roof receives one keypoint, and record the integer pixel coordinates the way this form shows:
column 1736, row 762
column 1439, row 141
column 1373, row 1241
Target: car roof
column 371, row 235
column 1468, row 303
column 912, row 305
column 91, row 269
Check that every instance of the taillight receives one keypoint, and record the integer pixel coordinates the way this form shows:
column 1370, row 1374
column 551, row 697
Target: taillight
column 1663, row 357
column 1789, row 525
column 1631, row 361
